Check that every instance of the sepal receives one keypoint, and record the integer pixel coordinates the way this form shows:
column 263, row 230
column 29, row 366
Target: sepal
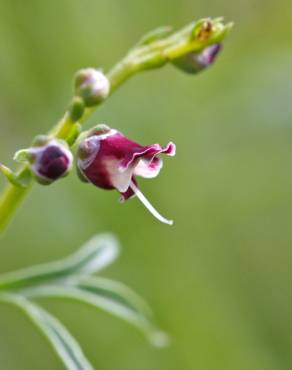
column 23, row 156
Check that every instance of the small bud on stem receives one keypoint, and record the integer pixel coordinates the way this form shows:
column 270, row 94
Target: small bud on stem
column 92, row 86
column 195, row 62
column 49, row 160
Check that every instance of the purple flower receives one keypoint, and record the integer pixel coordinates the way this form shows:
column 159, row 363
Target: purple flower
column 195, row 62
column 109, row 160
column 49, row 159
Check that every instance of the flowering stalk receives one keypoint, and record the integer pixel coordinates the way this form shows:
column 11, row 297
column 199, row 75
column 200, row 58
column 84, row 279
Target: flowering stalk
column 153, row 51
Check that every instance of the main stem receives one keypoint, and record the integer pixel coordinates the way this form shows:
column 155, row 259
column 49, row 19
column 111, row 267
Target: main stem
column 10, row 200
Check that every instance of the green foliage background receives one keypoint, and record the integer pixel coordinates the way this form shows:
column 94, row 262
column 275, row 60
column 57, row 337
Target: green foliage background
column 220, row 279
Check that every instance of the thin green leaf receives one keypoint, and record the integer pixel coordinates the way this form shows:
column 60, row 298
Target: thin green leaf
column 93, row 256
column 57, row 335
column 110, row 296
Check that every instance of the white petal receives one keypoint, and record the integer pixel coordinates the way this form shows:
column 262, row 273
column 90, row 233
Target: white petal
column 144, row 169
column 120, row 180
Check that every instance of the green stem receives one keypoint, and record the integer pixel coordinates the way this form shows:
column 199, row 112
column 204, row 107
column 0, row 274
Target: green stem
column 63, row 128
column 11, row 199
column 120, row 73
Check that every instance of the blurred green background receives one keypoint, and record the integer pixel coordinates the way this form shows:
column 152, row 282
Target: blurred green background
column 219, row 280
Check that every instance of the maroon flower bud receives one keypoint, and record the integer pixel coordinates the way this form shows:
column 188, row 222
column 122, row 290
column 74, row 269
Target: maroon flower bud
column 109, row 160
column 92, row 86
column 49, row 159
column 196, row 62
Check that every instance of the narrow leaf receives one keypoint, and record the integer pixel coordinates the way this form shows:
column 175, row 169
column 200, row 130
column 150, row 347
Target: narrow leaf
column 93, row 256
column 110, row 296
column 57, row 335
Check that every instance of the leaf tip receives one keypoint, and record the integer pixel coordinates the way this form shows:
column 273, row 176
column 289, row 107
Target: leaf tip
column 160, row 339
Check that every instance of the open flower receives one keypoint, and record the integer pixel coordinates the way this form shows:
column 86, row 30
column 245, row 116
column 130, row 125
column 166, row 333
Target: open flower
column 109, row 160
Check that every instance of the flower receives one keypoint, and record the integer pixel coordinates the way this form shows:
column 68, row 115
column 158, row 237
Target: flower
column 195, row 62
column 109, row 160
column 92, row 86
column 49, row 159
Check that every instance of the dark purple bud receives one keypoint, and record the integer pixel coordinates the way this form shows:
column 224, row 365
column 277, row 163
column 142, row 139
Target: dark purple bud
column 196, row 62
column 53, row 163
column 109, row 160
column 49, row 161
column 92, row 86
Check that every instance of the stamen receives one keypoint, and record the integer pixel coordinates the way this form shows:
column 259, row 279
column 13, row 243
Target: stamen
column 148, row 205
